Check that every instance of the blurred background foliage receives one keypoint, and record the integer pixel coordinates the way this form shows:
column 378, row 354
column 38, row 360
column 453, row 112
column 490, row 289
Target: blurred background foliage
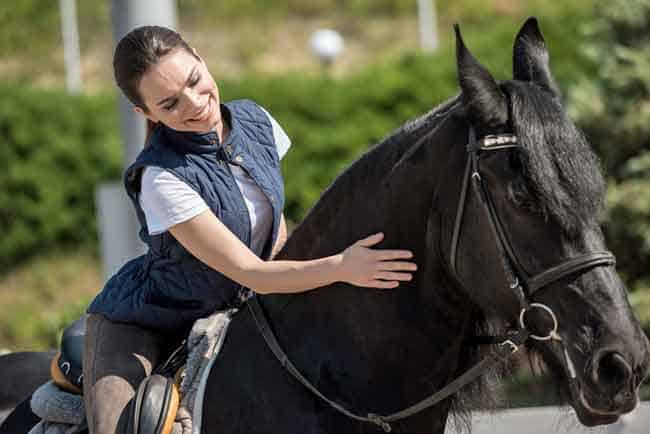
column 613, row 108
column 56, row 148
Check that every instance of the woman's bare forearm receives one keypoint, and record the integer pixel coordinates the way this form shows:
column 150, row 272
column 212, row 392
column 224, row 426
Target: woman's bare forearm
column 267, row 277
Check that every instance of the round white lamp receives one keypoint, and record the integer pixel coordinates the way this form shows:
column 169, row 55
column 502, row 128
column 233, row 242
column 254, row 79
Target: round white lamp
column 327, row 45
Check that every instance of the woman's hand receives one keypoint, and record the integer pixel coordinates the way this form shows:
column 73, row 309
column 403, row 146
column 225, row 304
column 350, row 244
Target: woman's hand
column 362, row 266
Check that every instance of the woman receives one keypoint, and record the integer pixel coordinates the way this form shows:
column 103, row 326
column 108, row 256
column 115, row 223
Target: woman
column 209, row 194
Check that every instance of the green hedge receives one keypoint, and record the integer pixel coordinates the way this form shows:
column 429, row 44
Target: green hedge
column 53, row 150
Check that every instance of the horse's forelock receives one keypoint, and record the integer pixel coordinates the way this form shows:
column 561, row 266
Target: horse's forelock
column 560, row 168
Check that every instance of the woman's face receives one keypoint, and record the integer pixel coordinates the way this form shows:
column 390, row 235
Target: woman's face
column 180, row 92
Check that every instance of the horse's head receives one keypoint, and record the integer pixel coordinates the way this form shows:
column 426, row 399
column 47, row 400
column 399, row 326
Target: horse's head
column 529, row 214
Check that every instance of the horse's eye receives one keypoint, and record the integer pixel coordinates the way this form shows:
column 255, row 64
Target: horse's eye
column 514, row 159
column 520, row 195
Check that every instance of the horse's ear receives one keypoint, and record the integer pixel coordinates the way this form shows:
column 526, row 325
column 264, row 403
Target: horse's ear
column 530, row 58
column 486, row 104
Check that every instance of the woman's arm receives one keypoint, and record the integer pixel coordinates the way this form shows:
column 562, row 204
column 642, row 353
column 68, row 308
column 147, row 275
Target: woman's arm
column 213, row 243
column 282, row 237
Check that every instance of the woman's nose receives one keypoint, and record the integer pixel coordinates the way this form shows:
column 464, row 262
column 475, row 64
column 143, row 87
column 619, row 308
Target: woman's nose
column 194, row 99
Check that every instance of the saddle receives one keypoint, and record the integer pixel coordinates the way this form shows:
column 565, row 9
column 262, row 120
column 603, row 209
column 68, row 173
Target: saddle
column 156, row 402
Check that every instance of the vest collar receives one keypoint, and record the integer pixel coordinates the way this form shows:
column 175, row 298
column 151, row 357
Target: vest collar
column 201, row 143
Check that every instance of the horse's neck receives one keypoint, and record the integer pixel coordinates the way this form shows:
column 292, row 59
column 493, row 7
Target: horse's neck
column 404, row 342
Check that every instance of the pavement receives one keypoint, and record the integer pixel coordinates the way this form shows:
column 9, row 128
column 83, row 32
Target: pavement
column 544, row 420
column 554, row 420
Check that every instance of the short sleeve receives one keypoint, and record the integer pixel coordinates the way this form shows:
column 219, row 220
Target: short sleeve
column 282, row 140
column 166, row 200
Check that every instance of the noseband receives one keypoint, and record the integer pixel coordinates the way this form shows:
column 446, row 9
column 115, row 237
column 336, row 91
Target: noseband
column 524, row 286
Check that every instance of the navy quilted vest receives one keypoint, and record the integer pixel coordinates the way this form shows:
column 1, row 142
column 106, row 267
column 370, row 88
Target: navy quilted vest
column 167, row 288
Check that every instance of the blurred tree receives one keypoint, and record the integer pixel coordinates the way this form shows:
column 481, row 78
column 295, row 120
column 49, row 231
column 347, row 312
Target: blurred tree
column 614, row 111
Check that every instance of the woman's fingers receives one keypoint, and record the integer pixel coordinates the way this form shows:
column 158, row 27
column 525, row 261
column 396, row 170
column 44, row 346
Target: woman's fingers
column 371, row 240
column 387, row 275
column 389, row 255
column 381, row 284
column 376, row 268
column 397, row 266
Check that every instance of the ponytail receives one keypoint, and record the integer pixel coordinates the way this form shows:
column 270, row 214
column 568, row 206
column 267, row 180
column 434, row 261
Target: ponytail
column 151, row 125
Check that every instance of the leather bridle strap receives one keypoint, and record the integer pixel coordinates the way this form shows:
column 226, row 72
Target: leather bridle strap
column 572, row 266
column 503, row 351
column 472, row 175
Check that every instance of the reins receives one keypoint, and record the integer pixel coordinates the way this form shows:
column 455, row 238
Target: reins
column 506, row 348
column 524, row 286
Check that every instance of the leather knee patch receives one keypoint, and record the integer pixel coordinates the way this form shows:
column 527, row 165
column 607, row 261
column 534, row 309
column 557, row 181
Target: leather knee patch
column 155, row 406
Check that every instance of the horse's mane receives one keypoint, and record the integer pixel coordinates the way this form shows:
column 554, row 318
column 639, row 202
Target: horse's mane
column 562, row 172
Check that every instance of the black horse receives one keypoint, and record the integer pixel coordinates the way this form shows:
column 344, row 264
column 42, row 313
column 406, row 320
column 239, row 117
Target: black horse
column 21, row 373
column 499, row 196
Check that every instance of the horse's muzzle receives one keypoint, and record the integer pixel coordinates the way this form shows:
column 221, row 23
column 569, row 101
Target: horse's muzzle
column 607, row 390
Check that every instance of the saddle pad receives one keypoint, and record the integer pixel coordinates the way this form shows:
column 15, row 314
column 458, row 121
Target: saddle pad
column 205, row 341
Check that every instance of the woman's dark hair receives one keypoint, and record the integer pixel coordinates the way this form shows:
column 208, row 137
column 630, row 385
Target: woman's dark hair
column 140, row 49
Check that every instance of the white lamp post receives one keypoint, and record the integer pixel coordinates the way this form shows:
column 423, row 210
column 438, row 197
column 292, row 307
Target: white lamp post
column 327, row 45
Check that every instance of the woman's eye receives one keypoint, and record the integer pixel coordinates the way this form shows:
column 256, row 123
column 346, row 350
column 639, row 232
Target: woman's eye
column 195, row 81
column 171, row 106
column 514, row 159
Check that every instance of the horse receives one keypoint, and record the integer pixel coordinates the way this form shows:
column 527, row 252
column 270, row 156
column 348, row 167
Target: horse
column 500, row 198
column 22, row 372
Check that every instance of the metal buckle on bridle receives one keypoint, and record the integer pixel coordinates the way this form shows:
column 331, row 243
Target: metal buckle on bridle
column 552, row 334
column 513, row 347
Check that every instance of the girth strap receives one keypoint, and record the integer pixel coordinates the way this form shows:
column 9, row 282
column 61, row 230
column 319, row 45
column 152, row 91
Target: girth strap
column 503, row 351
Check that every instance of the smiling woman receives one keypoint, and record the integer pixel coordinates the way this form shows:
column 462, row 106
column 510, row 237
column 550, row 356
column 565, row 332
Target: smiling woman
column 180, row 92
column 208, row 192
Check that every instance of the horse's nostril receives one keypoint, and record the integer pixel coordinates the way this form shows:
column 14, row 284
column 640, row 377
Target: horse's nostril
column 612, row 371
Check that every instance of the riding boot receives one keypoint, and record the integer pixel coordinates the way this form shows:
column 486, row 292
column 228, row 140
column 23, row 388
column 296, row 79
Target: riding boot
column 117, row 357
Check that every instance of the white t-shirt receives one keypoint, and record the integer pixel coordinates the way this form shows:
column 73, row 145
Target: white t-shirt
column 168, row 201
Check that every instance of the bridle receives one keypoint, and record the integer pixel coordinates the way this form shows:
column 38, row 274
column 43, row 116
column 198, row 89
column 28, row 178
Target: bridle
column 525, row 283
column 524, row 286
